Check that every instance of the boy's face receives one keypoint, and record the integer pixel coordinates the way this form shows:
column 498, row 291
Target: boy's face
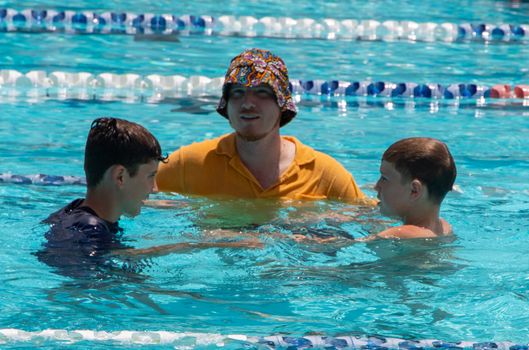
column 138, row 187
column 393, row 192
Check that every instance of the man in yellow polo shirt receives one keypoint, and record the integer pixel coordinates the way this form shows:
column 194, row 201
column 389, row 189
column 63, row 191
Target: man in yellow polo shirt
column 256, row 161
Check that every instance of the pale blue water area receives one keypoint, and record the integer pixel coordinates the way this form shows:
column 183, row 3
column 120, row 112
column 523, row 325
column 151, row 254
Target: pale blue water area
column 439, row 62
column 474, row 287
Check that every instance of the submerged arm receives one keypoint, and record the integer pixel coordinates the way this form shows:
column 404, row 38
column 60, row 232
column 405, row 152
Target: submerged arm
column 183, row 248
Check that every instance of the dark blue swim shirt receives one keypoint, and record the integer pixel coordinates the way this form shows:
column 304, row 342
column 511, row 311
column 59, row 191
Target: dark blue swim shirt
column 78, row 241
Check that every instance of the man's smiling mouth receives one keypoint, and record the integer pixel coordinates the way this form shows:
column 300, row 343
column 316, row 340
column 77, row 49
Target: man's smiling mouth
column 249, row 117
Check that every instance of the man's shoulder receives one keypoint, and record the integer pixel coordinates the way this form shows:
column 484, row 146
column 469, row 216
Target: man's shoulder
column 202, row 148
column 307, row 154
column 207, row 144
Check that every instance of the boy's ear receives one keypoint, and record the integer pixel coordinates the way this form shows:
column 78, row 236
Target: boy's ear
column 117, row 174
column 416, row 189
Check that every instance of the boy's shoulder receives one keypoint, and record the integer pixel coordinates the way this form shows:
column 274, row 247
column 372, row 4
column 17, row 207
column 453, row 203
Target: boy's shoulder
column 78, row 241
column 78, row 222
column 412, row 231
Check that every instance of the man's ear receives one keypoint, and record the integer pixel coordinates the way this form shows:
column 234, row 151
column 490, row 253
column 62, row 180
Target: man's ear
column 117, row 174
column 417, row 189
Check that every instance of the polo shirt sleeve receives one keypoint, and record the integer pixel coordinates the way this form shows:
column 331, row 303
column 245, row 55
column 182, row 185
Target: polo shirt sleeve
column 341, row 185
column 350, row 192
column 344, row 186
column 170, row 176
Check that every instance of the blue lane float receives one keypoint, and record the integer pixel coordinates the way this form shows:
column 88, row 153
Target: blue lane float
column 41, row 179
column 17, row 336
column 88, row 22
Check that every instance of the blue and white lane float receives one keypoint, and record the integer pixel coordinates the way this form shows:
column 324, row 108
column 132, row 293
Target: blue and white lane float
column 10, row 335
column 58, row 84
column 87, row 22
column 41, row 179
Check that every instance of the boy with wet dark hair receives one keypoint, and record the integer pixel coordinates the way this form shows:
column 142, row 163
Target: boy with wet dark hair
column 121, row 161
column 114, row 141
column 415, row 175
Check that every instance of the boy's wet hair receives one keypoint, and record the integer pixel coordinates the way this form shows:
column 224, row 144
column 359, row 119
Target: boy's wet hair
column 427, row 160
column 113, row 141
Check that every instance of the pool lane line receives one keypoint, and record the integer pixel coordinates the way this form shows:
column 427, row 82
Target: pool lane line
column 41, row 179
column 57, row 83
column 192, row 339
column 170, row 25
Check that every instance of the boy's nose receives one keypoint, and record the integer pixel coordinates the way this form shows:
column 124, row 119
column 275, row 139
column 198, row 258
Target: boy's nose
column 154, row 187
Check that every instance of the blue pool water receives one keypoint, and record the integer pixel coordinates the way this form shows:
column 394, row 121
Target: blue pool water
column 473, row 288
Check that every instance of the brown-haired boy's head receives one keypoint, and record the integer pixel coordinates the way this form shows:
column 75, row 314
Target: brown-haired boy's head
column 427, row 160
column 113, row 141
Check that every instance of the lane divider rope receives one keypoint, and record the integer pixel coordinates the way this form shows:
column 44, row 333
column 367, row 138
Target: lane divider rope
column 86, row 22
column 41, row 179
column 13, row 83
column 10, row 335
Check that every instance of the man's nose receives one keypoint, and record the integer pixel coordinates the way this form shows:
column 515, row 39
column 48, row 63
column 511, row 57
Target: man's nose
column 248, row 100
column 154, row 187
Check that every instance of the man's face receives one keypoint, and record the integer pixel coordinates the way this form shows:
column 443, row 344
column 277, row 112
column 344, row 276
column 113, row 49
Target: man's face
column 138, row 187
column 393, row 191
column 253, row 112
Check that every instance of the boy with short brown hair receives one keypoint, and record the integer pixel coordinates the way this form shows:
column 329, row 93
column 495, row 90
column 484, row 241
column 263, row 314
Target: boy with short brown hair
column 415, row 175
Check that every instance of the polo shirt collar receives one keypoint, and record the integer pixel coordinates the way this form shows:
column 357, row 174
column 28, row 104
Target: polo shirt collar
column 226, row 145
column 304, row 154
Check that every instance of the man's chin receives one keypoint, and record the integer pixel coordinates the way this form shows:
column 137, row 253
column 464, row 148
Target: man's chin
column 250, row 137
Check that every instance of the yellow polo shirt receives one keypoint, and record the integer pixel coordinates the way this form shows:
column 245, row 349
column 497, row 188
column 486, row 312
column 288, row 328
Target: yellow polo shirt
column 213, row 168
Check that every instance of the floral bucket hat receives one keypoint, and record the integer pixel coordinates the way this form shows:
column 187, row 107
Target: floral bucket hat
column 254, row 67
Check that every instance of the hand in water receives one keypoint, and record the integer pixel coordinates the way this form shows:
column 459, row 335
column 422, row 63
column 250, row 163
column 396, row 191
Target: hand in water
column 164, row 203
column 306, row 239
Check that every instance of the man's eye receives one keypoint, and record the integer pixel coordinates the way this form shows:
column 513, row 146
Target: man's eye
column 265, row 93
column 236, row 93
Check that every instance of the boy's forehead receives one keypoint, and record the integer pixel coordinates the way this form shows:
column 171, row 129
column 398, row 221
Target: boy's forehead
column 150, row 166
column 388, row 167
column 385, row 165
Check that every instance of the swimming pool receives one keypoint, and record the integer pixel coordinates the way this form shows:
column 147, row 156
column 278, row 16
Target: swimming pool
column 473, row 288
